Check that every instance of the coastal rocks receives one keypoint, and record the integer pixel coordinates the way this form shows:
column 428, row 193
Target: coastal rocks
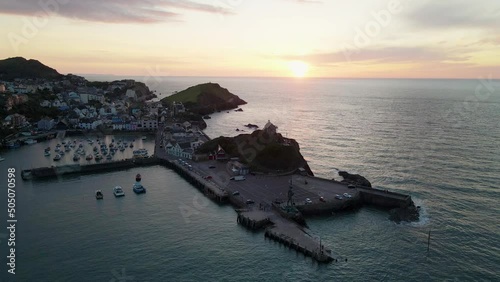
column 355, row 179
column 250, row 125
column 408, row 214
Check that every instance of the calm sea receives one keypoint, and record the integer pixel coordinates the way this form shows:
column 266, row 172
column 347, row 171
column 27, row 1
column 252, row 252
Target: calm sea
column 437, row 140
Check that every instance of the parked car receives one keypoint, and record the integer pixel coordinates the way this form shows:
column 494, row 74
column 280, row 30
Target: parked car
column 208, row 177
column 250, row 202
column 211, row 166
column 236, row 193
column 347, row 195
column 351, row 186
column 338, row 197
column 308, row 201
column 322, row 199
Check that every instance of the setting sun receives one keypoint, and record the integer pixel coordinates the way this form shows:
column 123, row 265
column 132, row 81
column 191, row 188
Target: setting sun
column 298, row 68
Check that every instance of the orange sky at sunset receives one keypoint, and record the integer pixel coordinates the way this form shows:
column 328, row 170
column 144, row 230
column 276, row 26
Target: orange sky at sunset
column 290, row 38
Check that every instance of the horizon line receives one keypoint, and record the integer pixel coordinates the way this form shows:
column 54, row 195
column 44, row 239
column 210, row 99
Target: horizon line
column 287, row 77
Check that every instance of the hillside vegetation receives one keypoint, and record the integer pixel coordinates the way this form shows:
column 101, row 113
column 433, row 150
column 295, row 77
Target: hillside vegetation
column 19, row 67
column 205, row 98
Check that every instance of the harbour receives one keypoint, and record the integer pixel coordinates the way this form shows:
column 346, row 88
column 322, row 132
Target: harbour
column 259, row 199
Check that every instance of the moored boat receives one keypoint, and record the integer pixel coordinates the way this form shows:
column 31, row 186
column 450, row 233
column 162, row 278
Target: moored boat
column 138, row 188
column 118, row 191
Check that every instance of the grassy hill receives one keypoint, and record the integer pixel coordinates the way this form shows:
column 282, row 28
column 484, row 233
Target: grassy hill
column 205, row 98
column 19, row 67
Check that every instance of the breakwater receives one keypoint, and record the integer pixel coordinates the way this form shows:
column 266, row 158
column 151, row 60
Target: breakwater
column 56, row 171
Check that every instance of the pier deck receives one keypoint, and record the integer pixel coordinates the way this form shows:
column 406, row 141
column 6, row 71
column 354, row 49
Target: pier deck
column 288, row 233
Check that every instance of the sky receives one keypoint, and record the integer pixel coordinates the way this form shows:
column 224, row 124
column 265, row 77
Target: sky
column 273, row 38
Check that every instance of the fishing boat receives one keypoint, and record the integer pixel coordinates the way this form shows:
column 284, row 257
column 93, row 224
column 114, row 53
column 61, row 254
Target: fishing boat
column 138, row 188
column 57, row 157
column 118, row 191
column 99, row 195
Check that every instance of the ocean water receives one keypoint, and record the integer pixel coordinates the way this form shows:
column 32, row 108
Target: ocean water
column 437, row 140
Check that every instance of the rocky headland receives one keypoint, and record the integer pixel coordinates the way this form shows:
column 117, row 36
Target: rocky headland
column 205, row 99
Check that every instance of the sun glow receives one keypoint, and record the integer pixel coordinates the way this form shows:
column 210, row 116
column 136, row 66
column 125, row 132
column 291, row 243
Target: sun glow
column 298, row 68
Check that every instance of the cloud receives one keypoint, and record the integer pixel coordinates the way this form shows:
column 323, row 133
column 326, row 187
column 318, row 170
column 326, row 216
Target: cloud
column 382, row 55
column 484, row 14
column 109, row 11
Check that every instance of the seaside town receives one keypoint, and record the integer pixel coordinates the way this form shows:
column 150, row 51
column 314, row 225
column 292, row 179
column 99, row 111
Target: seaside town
column 36, row 109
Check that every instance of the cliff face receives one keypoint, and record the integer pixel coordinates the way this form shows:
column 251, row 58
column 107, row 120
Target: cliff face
column 206, row 98
column 262, row 151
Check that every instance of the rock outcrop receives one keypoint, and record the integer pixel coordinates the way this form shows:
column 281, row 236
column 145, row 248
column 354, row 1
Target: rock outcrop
column 408, row 214
column 355, row 179
column 263, row 151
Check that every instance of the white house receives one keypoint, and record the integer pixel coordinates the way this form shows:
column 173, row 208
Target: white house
column 89, row 124
column 182, row 150
column 149, row 124
column 131, row 94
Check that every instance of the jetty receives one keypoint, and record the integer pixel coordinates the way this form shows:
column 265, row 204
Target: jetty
column 57, row 171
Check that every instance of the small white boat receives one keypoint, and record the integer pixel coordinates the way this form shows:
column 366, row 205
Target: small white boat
column 118, row 191
column 99, row 195
column 30, row 142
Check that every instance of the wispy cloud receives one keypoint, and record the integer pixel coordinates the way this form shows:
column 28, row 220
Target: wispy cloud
column 110, row 11
column 382, row 55
column 456, row 14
